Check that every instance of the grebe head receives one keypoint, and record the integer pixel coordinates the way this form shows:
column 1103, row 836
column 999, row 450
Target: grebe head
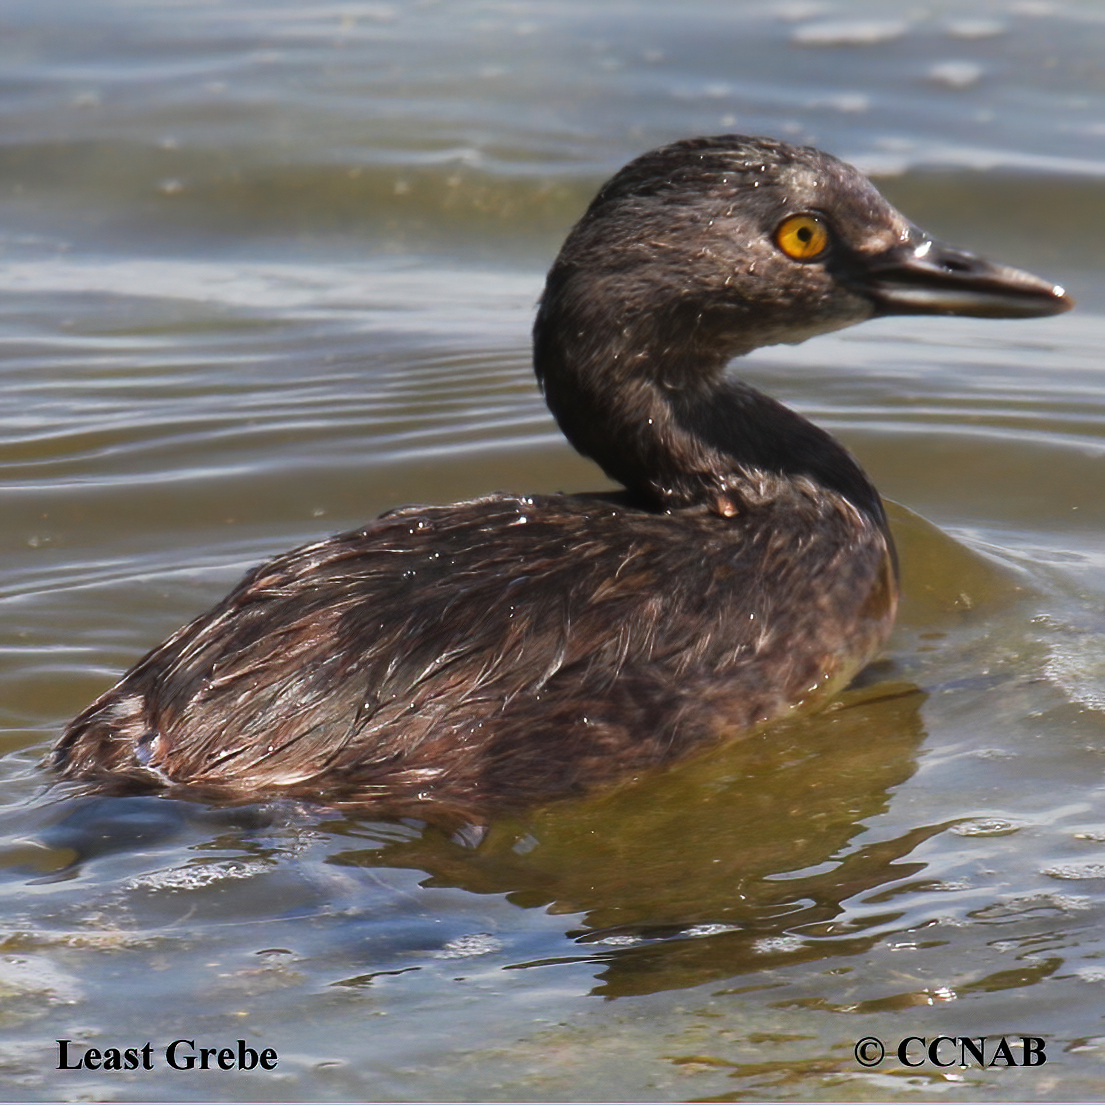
column 708, row 248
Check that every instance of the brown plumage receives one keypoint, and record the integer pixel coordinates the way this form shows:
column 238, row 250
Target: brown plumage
column 510, row 649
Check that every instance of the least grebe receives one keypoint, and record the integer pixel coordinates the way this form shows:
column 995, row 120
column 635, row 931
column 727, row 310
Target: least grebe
column 516, row 648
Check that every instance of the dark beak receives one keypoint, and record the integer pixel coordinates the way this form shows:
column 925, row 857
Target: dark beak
column 925, row 277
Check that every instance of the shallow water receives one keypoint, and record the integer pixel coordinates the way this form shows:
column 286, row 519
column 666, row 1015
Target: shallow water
column 269, row 269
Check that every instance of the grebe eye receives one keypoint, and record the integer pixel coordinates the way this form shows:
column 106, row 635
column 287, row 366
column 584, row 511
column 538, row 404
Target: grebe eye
column 802, row 237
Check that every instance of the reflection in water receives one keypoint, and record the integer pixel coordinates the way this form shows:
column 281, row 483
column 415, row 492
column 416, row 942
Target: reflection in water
column 731, row 863
column 89, row 828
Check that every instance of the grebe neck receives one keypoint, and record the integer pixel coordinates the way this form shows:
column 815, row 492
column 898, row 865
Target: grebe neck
column 663, row 418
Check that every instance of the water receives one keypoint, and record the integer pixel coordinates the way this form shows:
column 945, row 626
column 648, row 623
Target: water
column 269, row 269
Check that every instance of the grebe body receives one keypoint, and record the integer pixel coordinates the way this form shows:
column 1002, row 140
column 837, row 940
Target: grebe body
column 512, row 649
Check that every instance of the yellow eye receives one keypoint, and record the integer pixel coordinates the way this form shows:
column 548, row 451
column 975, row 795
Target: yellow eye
column 802, row 237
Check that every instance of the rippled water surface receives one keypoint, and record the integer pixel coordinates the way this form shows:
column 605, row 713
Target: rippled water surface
column 268, row 269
